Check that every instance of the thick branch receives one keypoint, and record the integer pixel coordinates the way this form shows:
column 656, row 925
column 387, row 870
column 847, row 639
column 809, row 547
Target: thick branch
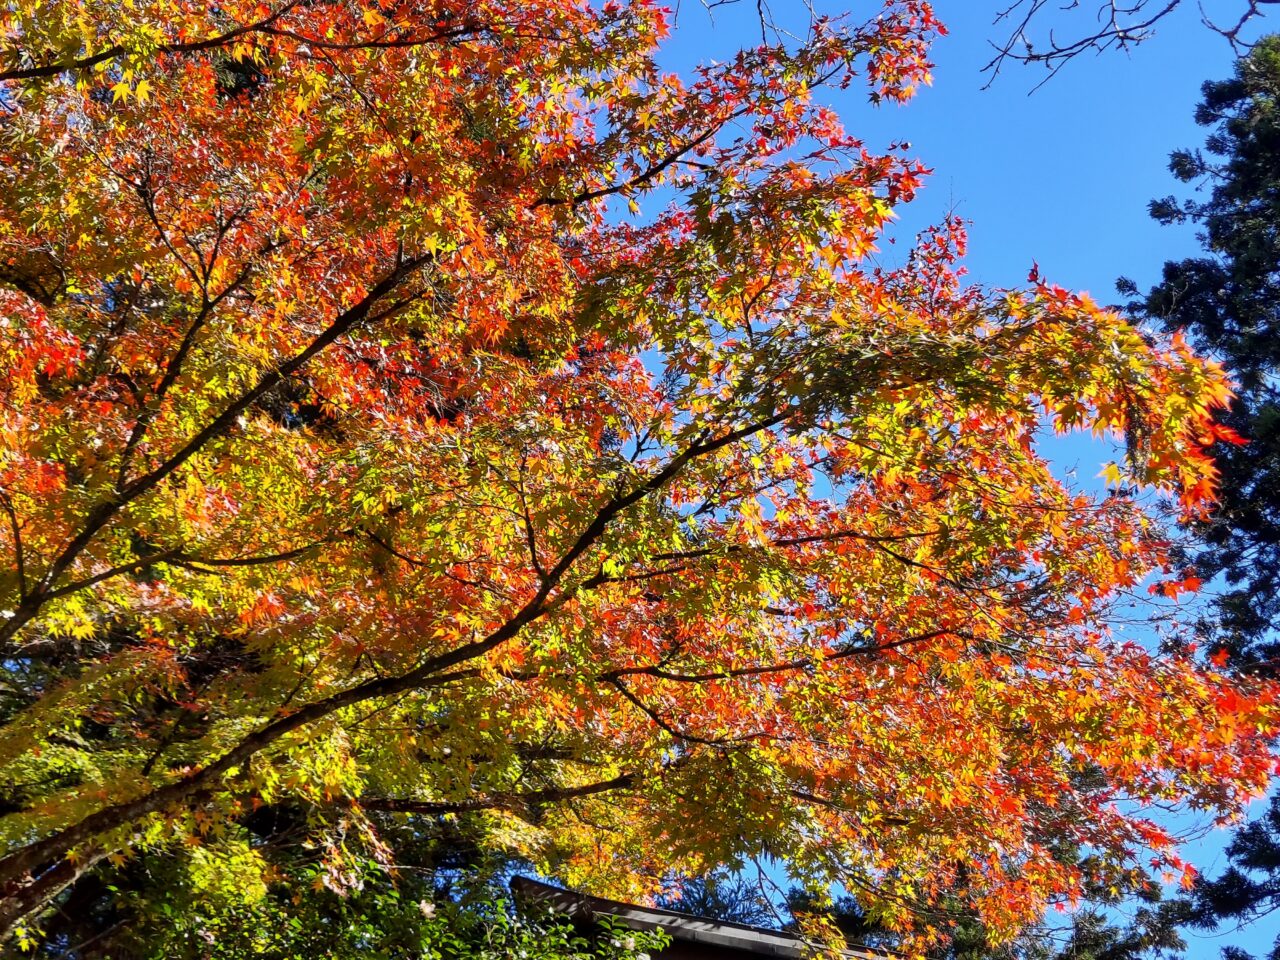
column 45, row 70
column 428, row 675
column 266, row 27
column 18, row 905
column 511, row 801
column 60, row 844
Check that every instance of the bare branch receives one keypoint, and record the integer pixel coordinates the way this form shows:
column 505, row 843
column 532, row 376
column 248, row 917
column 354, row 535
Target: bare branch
column 1115, row 25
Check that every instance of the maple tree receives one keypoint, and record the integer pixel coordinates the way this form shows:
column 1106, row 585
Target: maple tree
column 436, row 412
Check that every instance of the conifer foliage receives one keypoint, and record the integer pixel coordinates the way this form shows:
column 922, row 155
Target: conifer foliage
column 1227, row 300
column 433, row 413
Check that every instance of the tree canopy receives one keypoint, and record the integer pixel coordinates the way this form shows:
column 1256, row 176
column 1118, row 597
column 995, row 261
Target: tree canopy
column 434, row 416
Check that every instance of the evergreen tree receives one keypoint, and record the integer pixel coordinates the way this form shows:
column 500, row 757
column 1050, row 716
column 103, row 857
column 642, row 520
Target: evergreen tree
column 1227, row 301
column 1250, row 887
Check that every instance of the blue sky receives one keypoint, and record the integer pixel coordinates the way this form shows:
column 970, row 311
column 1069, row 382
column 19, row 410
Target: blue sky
column 1061, row 177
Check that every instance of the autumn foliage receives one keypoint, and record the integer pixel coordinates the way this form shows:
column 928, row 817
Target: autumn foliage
column 435, row 410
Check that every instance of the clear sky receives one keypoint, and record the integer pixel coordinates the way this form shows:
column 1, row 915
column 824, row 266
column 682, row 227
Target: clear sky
column 1061, row 177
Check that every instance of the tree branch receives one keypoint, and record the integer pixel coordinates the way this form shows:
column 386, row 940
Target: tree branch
column 511, row 801
column 106, row 510
column 427, row 675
